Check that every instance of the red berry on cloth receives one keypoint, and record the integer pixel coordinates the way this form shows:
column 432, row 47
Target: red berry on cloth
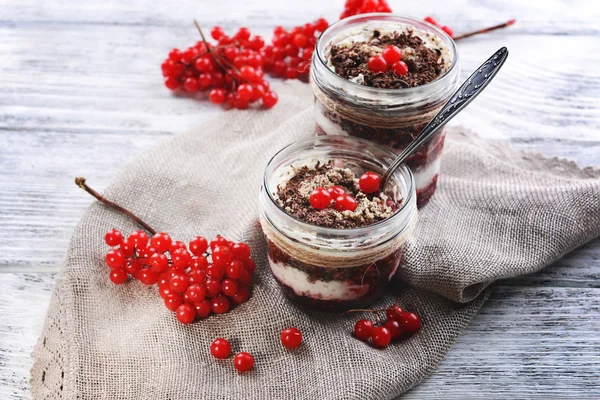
column 363, row 329
column 220, row 348
column 291, row 338
column 381, row 337
column 243, row 361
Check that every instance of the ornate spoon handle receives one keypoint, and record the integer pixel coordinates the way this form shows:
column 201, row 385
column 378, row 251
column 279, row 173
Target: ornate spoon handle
column 459, row 100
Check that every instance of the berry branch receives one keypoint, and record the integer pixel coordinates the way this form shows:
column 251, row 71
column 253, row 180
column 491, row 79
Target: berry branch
column 485, row 30
column 83, row 185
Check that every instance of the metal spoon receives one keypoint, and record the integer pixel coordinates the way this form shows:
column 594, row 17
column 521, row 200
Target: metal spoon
column 459, row 100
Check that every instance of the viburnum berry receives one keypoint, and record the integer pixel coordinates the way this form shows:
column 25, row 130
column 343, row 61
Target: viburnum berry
column 161, row 242
column 115, row 258
column 133, row 267
column 220, row 304
column 432, row 21
column 179, row 283
column 244, row 91
column 217, row 96
column 198, row 263
column 245, row 276
column 363, row 329
column 377, row 64
column 448, row 30
column 203, row 309
column 391, row 54
column 410, row 322
column 171, row 83
column 173, row 301
column 196, row 293
column 381, row 337
column 394, row 312
column 186, row 313
column 217, row 32
column 127, row 249
column 243, row 361
column 118, row 276
column 393, row 326
column 220, row 348
column 321, row 24
column 138, row 238
column 190, row 85
column 345, row 203
column 215, row 271
column 229, row 287
column 213, row 287
column 291, row 338
column 222, row 256
column 233, row 269
column 218, row 241
column 369, row 182
column 113, row 237
column 242, row 295
column 180, row 258
column 320, row 198
column 249, row 265
column 196, row 276
column 241, row 251
column 243, row 34
column 269, row 99
column 147, row 276
column 198, row 245
column 400, row 68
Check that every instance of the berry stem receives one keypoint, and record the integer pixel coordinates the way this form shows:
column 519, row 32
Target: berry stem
column 81, row 183
column 485, row 30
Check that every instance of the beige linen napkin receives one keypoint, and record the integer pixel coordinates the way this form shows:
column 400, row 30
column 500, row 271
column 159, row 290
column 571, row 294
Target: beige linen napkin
column 497, row 213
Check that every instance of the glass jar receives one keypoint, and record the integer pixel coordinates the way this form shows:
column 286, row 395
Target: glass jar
column 391, row 117
column 331, row 269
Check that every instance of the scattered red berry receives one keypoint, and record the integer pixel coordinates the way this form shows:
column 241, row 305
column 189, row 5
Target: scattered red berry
column 320, row 198
column 363, row 329
column 291, row 338
column 381, row 337
column 369, row 182
column 220, row 348
column 377, row 64
column 400, row 68
column 243, row 361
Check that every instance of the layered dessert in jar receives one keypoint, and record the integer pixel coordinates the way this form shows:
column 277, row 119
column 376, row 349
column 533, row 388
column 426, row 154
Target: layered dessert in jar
column 383, row 77
column 335, row 238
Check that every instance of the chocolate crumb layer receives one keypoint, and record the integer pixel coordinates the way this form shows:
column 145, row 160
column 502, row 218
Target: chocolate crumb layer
column 294, row 198
column 424, row 64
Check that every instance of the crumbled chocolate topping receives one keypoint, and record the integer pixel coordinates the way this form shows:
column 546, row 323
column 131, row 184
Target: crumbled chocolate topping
column 424, row 64
column 294, row 198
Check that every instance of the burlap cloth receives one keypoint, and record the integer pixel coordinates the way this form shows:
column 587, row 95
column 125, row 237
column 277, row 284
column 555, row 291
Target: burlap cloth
column 497, row 213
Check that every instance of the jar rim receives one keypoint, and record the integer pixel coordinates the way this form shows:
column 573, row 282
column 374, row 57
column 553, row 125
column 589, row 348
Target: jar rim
column 335, row 231
column 399, row 18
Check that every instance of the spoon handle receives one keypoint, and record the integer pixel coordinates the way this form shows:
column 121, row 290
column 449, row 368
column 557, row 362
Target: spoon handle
column 459, row 100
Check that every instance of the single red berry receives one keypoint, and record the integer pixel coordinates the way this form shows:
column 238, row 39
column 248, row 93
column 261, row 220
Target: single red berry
column 233, row 269
column 381, row 337
column 363, row 329
column 241, row 251
column 215, row 271
column 410, row 322
column 320, row 198
column 198, row 262
column 133, row 267
column 377, row 64
column 321, row 24
column 257, row 43
column 243, row 361
column 205, row 80
column 256, row 61
column 291, row 338
column 171, row 83
column 186, row 313
column 269, row 99
column 213, row 287
column 198, row 245
column 369, row 182
column 222, row 256
column 400, row 68
column 250, row 265
column 196, row 293
column 394, row 312
column 217, row 96
column 308, row 29
column 220, row 348
column 144, row 253
column 113, row 237
column 345, row 203
column 220, row 304
column 229, row 287
column 243, row 34
column 245, row 277
column 204, row 64
column 177, row 244
column 249, row 73
column 138, row 238
column 118, row 276
column 203, row 309
column 196, row 276
column 218, row 241
column 258, row 92
column 291, row 73
column 115, row 258
column 161, row 242
column 336, row 191
column 300, row 40
column 432, row 21
column 448, row 30
column 190, row 85
column 231, row 53
column 179, row 283
column 175, row 55
column 180, row 258
column 127, row 249
column 394, row 327
column 242, row 295
column 392, row 54
column 217, row 32
column 244, row 91
column 147, row 276
column 172, row 301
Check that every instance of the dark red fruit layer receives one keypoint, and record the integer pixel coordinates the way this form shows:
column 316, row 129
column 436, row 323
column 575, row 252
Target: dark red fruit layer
column 425, row 194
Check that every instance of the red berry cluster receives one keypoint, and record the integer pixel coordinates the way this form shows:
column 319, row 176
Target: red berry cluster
column 321, row 198
column 391, row 57
column 291, row 51
column 398, row 324
column 190, row 285
column 220, row 348
column 445, row 28
column 354, row 7
column 231, row 70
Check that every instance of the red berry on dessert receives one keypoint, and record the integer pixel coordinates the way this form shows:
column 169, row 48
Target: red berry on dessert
column 392, row 54
column 336, row 191
column 369, row 182
column 363, row 329
column 345, row 203
column 377, row 64
column 220, row 348
column 291, row 338
column 381, row 337
column 320, row 198
column 243, row 361
column 400, row 68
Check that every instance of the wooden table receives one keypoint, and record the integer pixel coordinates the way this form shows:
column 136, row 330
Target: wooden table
column 82, row 95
